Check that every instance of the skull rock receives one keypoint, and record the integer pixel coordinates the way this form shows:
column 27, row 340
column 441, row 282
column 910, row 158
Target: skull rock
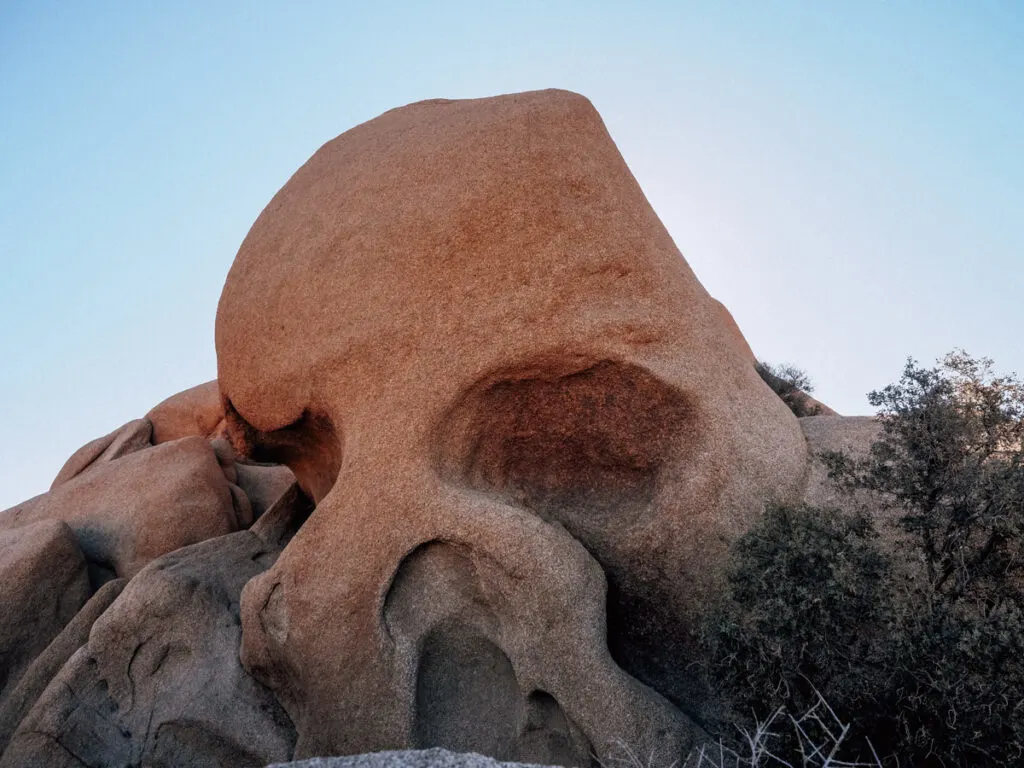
column 465, row 330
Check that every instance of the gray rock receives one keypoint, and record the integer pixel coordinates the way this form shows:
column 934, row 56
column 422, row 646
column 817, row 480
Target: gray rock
column 45, row 581
column 852, row 435
column 264, row 484
column 159, row 682
column 16, row 704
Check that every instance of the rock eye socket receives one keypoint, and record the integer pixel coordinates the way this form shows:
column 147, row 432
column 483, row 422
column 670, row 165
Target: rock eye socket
column 310, row 446
column 575, row 447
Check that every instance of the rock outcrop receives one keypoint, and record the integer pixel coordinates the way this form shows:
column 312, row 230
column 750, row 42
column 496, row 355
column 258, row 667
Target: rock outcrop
column 538, row 363
column 127, row 512
column 44, row 582
column 413, row 758
column 159, row 682
column 852, row 435
column 16, row 703
column 478, row 446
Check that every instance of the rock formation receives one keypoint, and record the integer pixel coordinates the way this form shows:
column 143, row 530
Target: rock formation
column 45, row 581
column 159, row 682
column 196, row 411
column 523, row 436
column 128, row 511
column 421, row 758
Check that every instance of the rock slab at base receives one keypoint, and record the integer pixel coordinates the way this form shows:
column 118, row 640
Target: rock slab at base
column 43, row 583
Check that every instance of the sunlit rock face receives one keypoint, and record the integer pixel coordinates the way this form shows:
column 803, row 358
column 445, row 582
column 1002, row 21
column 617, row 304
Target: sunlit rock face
column 529, row 431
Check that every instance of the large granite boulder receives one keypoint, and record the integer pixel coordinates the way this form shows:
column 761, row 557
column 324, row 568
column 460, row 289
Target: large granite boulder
column 529, row 434
column 465, row 330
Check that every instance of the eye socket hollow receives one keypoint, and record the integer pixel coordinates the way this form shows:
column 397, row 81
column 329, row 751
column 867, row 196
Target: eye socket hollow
column 310, row 446
column 572, row 447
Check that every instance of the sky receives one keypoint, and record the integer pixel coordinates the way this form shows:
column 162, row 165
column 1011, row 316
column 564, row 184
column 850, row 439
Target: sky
column 847, row 178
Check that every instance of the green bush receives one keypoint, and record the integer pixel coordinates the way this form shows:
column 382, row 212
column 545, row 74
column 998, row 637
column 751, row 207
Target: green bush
column 792, row 385
column 806, row 600
column 926, row 659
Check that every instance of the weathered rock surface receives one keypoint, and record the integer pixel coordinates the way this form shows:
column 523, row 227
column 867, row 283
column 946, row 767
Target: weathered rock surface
column 159, row 682
column 263, row 484
column 15, row 704
column 412, row 758
column 195, row 412
column 539, row 368
column 43, row 583
column 127, row 512
column 133, row 436
column 852, row 435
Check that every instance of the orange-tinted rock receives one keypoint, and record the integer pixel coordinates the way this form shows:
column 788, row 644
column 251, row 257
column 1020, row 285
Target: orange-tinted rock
column 133, row 436
column 43, row 583
column 462, row 322
column 194, row 412
column 127, row 512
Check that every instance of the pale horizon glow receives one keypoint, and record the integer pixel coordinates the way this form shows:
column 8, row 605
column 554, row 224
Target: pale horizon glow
column 847, row 179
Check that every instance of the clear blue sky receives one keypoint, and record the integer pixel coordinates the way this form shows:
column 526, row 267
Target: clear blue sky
column 848, row 178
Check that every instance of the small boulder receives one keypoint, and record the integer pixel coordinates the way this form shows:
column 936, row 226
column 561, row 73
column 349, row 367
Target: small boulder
column 195, row 412
column 264, row 484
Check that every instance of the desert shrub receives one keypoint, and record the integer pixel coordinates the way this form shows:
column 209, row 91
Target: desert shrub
column 950, row 460
column 926, row 659
column 791, row 384
column 954, row 692
column 950, row 465
column 814, row 738
column 805, row 603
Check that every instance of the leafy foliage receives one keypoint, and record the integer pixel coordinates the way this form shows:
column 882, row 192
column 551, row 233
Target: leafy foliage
column 922, row 646
column 951, row 459
column 791, row 384
column 805, row 598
